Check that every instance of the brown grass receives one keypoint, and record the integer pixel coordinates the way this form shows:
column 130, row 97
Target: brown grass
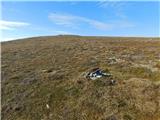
column 50, row 70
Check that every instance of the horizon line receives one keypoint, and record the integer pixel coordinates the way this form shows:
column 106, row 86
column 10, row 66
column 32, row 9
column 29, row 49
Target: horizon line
column 7, row 40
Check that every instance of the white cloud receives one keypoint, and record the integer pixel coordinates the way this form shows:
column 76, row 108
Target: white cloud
column 74, row 21
column 100, row 25
column 116, row 6
column 69, row 20
column 63, row 19
column 112, row 4
column 11, row 25
column 106, row 4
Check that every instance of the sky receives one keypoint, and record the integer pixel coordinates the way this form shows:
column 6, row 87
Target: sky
column 92, row 18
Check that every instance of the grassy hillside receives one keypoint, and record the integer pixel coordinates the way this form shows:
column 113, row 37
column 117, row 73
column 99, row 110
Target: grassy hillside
column 43, row 78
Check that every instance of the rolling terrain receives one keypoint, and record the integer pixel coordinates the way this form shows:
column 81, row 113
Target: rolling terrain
column 43, row 78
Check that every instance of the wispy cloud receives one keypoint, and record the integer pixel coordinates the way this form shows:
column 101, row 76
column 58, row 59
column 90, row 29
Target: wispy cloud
column 11, row 25
column 64, row 19
column 69, row 20
column 74, row 21
column 117, row 6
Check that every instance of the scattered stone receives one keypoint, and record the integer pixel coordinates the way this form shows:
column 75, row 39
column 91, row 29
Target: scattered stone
column 47, row 106
column 44, row 71
column 53, row 73
column 114, row 60
column 112, row 82
column 47, row 71
column 111, row 61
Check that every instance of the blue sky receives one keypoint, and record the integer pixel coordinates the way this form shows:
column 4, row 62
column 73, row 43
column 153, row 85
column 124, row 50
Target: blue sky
column 27, row 19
